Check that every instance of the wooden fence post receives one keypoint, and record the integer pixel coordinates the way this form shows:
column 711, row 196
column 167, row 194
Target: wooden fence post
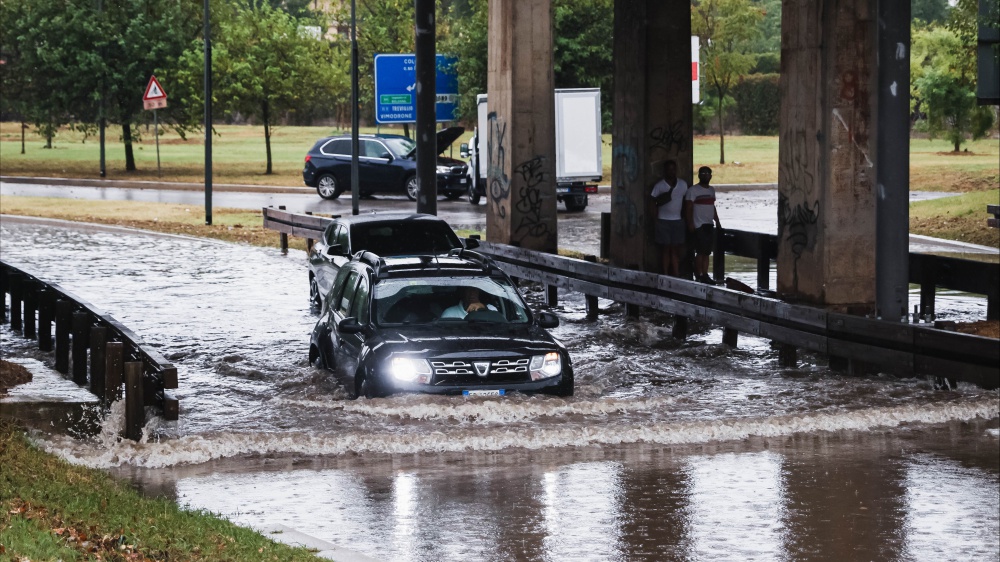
column 135, row 412
column 81, row 331
column 45, row 306
column 98, row 358
column 680, row 330
column 551, row 296
column 928, row 285
column 113, row 369
column 64, row 317
column 15, row 282
column 30, row 295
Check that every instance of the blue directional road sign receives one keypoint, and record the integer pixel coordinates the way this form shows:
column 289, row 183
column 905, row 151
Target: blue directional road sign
column 396, row 88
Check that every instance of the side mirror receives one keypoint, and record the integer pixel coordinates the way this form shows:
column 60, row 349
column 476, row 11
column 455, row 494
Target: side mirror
column 335, row 250
column 463, row 150
column 546, row 320
column 387, row 156
column 350, row 325
column 471, row 243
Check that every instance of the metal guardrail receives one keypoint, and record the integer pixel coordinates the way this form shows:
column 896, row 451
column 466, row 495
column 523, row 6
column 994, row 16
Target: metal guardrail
column 851, row 341
column 118, row 358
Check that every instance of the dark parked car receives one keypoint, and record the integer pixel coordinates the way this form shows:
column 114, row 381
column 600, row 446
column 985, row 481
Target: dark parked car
column 386, row 164
column 386, row 234
column 451, row 324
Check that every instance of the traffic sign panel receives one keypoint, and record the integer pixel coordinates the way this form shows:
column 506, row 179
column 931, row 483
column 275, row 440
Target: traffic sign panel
column 396, row 84
column 155, row 97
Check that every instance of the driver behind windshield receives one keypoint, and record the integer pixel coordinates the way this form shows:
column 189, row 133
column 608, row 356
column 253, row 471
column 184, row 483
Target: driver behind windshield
column 469, row 301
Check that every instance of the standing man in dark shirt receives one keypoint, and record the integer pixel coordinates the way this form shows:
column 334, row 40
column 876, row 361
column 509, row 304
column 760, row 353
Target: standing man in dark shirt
column 700, row 214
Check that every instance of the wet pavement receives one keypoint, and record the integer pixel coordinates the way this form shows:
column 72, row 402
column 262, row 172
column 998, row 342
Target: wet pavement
column 668, row 450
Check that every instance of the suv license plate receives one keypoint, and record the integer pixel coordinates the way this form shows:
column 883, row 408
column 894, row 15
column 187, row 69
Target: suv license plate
column 483, row 392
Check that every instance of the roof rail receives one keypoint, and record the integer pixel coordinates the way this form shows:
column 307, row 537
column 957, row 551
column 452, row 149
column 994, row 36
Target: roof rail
column 483, row 260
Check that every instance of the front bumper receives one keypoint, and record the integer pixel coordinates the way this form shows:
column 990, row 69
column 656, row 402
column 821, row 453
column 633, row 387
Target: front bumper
column 392, row 386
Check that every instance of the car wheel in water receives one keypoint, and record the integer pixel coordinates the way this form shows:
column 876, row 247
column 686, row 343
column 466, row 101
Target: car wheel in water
column 328, row 187
column 315, row 300
column 411, row 187
column 367, row 389
column 565, row 386
column 573, row 205
column 473, row 195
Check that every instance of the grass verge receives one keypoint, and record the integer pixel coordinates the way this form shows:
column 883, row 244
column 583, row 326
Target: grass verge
column 239, row 157
column 53, row 510
column 962, row 217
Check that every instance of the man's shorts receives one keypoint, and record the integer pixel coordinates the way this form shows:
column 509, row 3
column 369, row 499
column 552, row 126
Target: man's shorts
column 669, row 233
column 704, row 239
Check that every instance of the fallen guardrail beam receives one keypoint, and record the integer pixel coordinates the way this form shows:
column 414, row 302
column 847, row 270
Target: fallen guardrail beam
column 119, row 365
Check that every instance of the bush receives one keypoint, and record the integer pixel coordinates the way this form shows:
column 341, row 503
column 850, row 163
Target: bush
column 758, row 103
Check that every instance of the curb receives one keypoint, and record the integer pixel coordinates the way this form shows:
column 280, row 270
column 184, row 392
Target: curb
column 186, row 186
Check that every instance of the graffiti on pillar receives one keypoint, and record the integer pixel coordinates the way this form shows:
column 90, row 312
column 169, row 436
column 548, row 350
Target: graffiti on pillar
column 626, row 162
column 496, row 152
column 529, row 200
column 672, row 140
column 798, row 203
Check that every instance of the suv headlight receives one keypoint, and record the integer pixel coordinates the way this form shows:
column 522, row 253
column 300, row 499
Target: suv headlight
column 408, row 369
column 444, row 169
column 545, row 366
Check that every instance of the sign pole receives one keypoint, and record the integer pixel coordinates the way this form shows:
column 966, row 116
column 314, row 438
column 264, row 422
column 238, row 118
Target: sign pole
column 355, row 142
column 208, row 118
column 156, row 132
column 426, row 74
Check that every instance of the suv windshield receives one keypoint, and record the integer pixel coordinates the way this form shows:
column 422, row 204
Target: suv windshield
column 404, row 238
column 447, row 299
column 401, row 146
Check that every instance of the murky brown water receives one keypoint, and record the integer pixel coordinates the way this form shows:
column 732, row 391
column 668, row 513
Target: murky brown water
column 669, row 450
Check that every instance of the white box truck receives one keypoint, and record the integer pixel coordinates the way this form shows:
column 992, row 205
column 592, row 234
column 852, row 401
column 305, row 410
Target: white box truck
column 578, row 147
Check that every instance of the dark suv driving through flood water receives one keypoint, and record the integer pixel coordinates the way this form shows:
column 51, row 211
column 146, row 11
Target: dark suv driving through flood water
column 452, row 324
column 386, row 164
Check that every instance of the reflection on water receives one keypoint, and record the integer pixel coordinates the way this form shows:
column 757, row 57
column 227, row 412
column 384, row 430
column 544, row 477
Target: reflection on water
column 811, row 464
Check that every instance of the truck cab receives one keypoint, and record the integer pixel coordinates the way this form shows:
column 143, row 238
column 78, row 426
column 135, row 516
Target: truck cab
column 578, row 147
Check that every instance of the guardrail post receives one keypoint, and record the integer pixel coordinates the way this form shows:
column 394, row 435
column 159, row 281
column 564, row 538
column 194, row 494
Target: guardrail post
column 763, row 262
column 680, row 330
column 730, row 336
column 135, row 412
column 309, row 241
column 991, row 305
column 45, row 306
column 605, row 236
column 283, row 237
column 719, row 255
column 30, row 296
column 64, row 317
column 551, row 296
column 98, row 358
column 839, row 364
column 3, row 293
column 928, row 284
column 15, row 301
column 788, row 356
column 81, row 330
column 591, row 300
column 113, row 369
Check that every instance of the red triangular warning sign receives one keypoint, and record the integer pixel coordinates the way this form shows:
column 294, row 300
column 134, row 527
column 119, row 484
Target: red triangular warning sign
column 153, row 90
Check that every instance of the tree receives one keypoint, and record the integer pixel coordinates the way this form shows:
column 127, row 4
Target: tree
column 726, row 29
column 264, row 65
column 468, row 41
column 583, row 32
column 943, row 77
column 929, row 11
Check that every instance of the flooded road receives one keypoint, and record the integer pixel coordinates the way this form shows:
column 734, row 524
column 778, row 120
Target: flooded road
column 668, row 450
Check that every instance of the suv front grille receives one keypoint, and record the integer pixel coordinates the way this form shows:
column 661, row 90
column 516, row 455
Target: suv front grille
column 458, row 372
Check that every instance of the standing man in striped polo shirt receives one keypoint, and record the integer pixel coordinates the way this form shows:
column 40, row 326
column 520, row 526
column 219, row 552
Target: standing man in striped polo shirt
column 701, row 213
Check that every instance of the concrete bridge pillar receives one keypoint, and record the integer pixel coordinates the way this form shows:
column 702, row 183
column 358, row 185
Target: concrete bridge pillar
column 521, row 182
column 652, row 120
column 826, row 176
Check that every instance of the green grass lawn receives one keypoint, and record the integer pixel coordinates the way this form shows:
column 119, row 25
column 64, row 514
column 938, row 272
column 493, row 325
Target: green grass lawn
column 239, row 157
